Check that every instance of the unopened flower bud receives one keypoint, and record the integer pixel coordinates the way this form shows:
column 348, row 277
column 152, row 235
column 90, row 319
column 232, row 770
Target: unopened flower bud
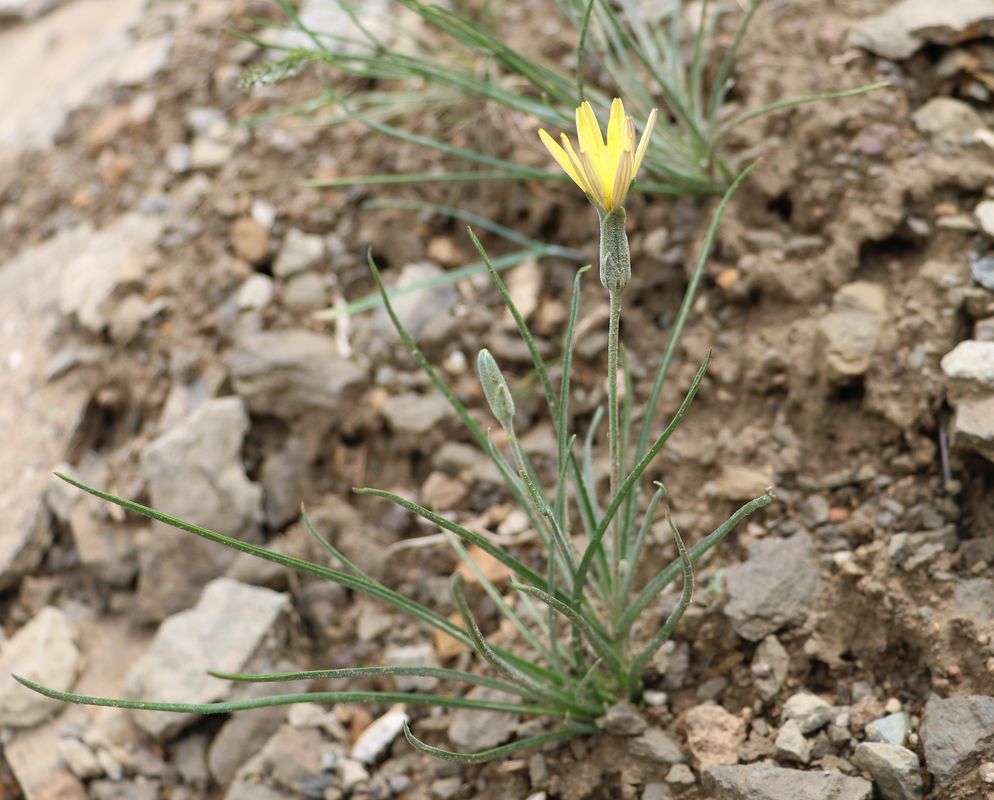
column 495, row 388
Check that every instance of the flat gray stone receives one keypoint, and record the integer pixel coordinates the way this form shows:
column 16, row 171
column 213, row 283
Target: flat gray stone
column 957, row 733
column 775, row 587
column 948, row 121
column 973, row 426
column 894, row 770
column 472, row 730
column 907, row 25
column 113, row 260
column 300, row 251
column 765, row 782
column 416, row 414
column 38, row 416
column 413, row 655
column 848, row 334
column 194, row 471
column 291, row 374
column 808, row 710
column 69, row 53
column 44, row 651
column 417, row 309
column 657, row 745
column 770, row 665
column 222, row 632
column 969, row 367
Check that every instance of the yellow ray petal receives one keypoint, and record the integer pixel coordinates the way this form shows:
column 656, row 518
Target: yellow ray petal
column 574, row 160
column 616, row 126
column 644, row 142
column 588, row 130
column 561, row 157
column 597, row 191
column 622, row 181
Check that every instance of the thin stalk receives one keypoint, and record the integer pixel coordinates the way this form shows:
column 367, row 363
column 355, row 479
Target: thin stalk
column 614, row 435
column 501, row 751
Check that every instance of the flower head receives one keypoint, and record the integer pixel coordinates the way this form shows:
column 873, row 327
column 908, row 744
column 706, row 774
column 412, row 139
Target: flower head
column 604, row 170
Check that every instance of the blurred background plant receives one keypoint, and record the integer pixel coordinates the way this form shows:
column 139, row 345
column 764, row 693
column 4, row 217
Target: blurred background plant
column 418, row 57
column 645, row 52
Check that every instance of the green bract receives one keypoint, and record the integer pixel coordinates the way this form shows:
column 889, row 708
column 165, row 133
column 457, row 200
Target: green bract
column 575, row 615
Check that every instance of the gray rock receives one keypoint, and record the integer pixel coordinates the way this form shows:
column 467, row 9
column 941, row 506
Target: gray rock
column 44, row 651
column 948, row 121
column 414, row 655
column 416, row 414
column 656, row 745
column 79, row 758
column 372, row 16
column 622, row 719
column 957, row 733
column 41, row 406
column 190, row 757
column 982, row 271
column 774, row 587
column 289, row 374
column 112, row 261
column 417, row 309
column 973, row 601
column 195, row 472
column 206, row 152
column 22, row 10
column 106, row 548
column 373, row 742
column 970, row 367
column 770, row 665
column 791, row 744
column 229, row 625
column 808, row 710
column 305, row 292
column 848, row 334
column 255, row 293
column 892, row 729
column 894, row 770
column 300, row 252
column 984, row 213
column 137, row 789
column 973, row 426
column 765, row 782
column 69, row 54
column 283, row 477
column 473, row 730
column 244, row 735
column 293, row 757
column 739, row 483
column 910, row 24
column 144, row 60
column 656, row 791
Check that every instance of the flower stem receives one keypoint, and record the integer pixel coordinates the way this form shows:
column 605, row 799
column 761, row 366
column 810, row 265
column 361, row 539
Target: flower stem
column 614, row 434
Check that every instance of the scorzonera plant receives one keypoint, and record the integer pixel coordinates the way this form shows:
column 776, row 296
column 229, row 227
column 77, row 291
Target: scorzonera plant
column 576, row 654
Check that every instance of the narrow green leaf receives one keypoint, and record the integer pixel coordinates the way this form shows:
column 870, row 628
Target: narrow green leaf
column 502, row 750
column 670, row 573
column 228, row 707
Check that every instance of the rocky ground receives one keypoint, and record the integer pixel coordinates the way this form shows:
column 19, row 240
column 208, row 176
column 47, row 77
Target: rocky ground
column 160, row 266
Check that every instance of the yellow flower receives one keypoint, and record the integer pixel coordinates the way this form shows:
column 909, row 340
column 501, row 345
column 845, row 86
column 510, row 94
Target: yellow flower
column 604, row 171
